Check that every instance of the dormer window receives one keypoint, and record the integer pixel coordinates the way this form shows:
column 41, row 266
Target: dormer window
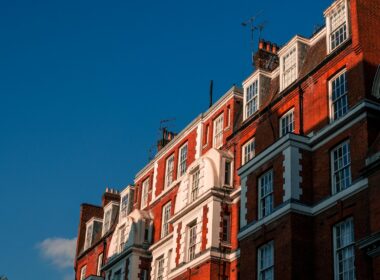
column 289, row 71
column 107, row 221
column 93, row 227
column 110, row 211
column 292, row 56
column 336, row 22
column 89, row 234
column 127, row 196
column 124, row 205
column 251, row 99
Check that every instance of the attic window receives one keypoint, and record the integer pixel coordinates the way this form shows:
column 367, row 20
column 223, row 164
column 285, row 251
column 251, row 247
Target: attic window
column 124, row 205
column 289, row 68
column 93, row 227
column 110, row 211
column 336, row 22
column 251, row 99
column 107, row 221
column 89, row 233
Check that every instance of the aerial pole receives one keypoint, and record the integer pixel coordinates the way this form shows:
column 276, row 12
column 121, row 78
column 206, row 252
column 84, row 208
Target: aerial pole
column 251, row 24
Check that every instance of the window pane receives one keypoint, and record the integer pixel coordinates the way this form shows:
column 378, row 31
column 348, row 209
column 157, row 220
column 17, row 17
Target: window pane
column 289, row 68
column 344, row 244
column 341, row 164
column 339, row 96
column 266, row 261
column 287, row 123
column 265, row 194
column 251, row 99
column 218, row 131
column 182, row 160
column 248, row 151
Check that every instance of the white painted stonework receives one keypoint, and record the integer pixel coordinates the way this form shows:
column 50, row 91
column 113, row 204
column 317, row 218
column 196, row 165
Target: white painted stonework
column 291, row 175
column 243, row 202
column 211, row 164
column 135, row 223
column 198, row 144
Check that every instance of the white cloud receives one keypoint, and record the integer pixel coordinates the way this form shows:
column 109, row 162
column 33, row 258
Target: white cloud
column 59, row 251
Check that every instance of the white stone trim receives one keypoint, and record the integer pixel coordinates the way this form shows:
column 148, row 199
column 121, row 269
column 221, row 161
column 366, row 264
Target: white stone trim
column 291, row 175
column 198, row 143
column 243, row 202
column 304, row 209
column 310, row 143
column 154, row 184
column 234, row 92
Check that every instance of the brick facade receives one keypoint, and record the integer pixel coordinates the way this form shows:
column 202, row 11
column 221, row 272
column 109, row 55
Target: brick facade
column 294, row 213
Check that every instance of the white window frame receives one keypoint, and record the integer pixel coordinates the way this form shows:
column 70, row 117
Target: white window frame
column 107, row 220
column 251, row 105
column 265, row 263
column 248, row 150
column 89, row 233
column 99, row 264
column 145, row 193
column 109, row 215
column 287, row 123
column 182, row 159
column 228, row 170
column 344, row 246
column 342, row 27
column 83, row 272
column 122, row 231
column 218, row 126
column 292, row 53
column 343, row 96
column 265, row 194
column 192, row 242
column 166, row 214
column 195, row 184
column 160, row 268
column 124, row 205
column 169, row 171
column 341, row 165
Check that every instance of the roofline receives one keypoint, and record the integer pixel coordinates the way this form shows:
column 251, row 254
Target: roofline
column 234, row 90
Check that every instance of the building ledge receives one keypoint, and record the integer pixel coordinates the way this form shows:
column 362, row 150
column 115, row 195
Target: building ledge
column 314, row 140
column 371, row 245
column 300, row 208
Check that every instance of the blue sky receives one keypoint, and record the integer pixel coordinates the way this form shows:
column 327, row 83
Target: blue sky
column 83, row 87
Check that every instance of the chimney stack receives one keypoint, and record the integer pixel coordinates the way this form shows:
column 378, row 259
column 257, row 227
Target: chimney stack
column 110, row 195
column 167, row 136
column 266, row 57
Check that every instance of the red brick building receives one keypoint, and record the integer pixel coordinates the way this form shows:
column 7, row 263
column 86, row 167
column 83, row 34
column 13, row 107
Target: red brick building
column 308, row 206
column 278, row 180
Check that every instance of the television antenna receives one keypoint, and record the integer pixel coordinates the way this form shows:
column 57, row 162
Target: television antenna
column 251, row 24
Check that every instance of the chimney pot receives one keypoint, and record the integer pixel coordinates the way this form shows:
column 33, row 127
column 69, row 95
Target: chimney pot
column 269, row 46
column 274, row 48
column 261, row 44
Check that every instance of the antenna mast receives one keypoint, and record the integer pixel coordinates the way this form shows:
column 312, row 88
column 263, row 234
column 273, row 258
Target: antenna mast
column 250, row 23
